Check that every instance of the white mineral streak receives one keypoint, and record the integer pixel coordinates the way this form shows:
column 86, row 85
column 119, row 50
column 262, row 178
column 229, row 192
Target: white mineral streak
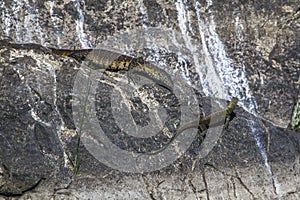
column 22, row 22
column 150, row 41
column 251, row 106
column 218, row 76
column 61, row 128
column 185, row 28
column 6, row 18
column 16, row 9
column 79, row 25
column 234, row 80
column 46, row 67
column 55, row 23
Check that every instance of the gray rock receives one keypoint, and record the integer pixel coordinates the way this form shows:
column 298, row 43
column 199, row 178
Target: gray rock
column 255, row 158
column 36, row 134
column 262, row 36
column 30, row 147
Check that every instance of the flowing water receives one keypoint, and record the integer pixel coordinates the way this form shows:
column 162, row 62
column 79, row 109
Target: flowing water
column 233, row 80
column 184, row 24
column 22, row 21
column 251, row 106
column 85, row 44
column 147, row 36
column 220, row 76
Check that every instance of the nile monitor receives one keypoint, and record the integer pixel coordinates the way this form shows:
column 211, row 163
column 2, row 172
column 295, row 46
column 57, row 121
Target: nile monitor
column 114, row 62
column 203, row 123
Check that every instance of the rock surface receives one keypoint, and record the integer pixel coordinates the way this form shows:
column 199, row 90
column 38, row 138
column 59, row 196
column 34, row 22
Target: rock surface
column 255, row 158
column 37, row 127
column 261, row 36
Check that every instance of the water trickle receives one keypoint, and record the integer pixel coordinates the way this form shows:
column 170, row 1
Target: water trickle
column 55, row 22
column 185, row 27
column 230, row 75
column 22, row 22
column 16, row 8
column 6, row 18
column 149, row 40
column 79, row 25
column 145, row 19
column 220, row 76
column 219, row 66
column 275, row 181
column 39, row 30
column 143, row 10
column 28, row 21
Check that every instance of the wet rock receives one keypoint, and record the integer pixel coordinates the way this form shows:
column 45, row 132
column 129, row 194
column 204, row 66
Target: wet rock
column 255, row 158
column 267, row 48
column 38, row 129
column 253, row 36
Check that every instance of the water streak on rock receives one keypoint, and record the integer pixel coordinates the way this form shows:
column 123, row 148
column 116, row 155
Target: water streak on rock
column 79, row 26
column 231, row 76
column 275, row 181
column 16, row 8
column 55, row 23
column 185, row 27
column 6, row 18
column 149, row 39
column 20, row 20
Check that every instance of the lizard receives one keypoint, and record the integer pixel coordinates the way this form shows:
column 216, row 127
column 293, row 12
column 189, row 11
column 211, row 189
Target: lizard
column 114, row 62
column 79, row 55
column 203, row 123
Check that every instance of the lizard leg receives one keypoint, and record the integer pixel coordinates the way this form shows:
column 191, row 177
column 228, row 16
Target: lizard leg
column 202, row 127
column 226, row 124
